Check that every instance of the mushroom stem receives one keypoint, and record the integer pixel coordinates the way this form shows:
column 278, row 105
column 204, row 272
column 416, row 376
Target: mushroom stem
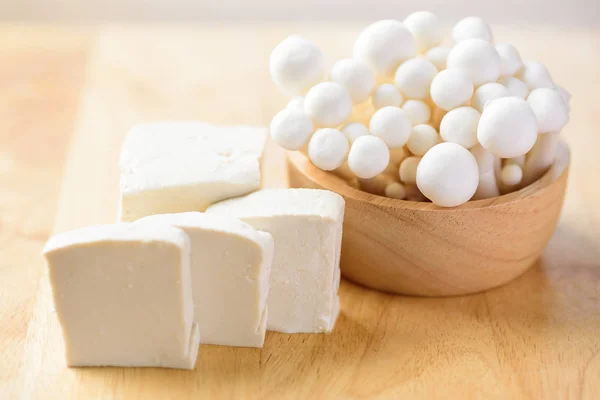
column 541, row 157
column 377, row 184
column 486, row 162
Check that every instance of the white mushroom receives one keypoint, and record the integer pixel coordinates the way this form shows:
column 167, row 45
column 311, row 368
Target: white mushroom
column 395, row 190
column 478, row 58
column 408, row 169
column 356, row 77
column 550, row 109
column 291, row 128
column 426, row 29
column 541, row 157
column 471, row 28
column 327, row 149
column 368, row 156
column 328, row 104
column 386, row 95
column 510, row 59
column 438, row 56
column 448, row 175
column 520, row 161
column 535, row 75
column 515, row 86
column 354, row 130
column 418, row 111
column 512, row 175
column 564, row 94
column 413, row 78
column 296, row 103
column 487, row 92
column 392, row 125
column 422, row 138
column 451, row 88
column 383, row 45
column 507, row 127
column 487, row 186
column 460, row 126
column 296, row 64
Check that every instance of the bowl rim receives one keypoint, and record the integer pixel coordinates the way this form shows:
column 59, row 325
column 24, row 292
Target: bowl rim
column 557, row 171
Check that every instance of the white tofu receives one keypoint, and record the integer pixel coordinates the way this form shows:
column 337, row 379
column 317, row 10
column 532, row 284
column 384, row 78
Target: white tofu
column 172, row 167
column 307, row 227
column 123, row 296
column 230, row 265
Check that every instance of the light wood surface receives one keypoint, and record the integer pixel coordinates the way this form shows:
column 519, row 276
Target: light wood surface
column 418, row 248
column 69, row 96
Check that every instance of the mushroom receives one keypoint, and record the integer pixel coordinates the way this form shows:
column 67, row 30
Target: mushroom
column 296, row 64
column 487, row 92
column 391, row 124
column 291, row 128
column 413, row 77
column 541, row 157
column 535, row 75
column 408, row 169
column 386, row 95
column 368, row 156
column 356, row 77
column 377, row 184
column 354, row 130
column 460, row 126
column 515, row 86
column 422, row 138
column 550, row 109
column 296, row 103
column 327, row 149
column 471, row 28
column 451, row 88
column 426, row 29
column 478, row 58
column 448, row 175
column 395, row 190
column 328, row 104
column 507, row 127
column 512, row 175
column 438, row 56
column 510, row 60
column 487, row 186
column 418, row 111
column 383, row 45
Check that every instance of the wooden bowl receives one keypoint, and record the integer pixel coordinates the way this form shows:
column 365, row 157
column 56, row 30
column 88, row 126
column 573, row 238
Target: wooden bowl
column 421, row 249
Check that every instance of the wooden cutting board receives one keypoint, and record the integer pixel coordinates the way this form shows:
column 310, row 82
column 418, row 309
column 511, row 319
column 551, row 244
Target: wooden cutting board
column 69, row 96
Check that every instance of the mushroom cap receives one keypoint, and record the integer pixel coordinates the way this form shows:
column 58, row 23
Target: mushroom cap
column 438, row 56
column 510, row 60
column 328, row 104
column 291, row 128
column 550, row 109
column 487, row 92
column 392, row 125
column 515, row 86
column 460, row 126
column 296, row 64
column 418, row 111
column 451, row 88
column 448, row 175
column 535, row 75
column 368, row 157
column 422, row 138
column 354, row 130
column 327, row 149
column 296, row 103
column 356, row 77
column 408, row 169
column 413, row 77
column 383, row 45
column 386, row 95
column 512, row 174
column 471, row 28
column 395, row 190
column 507, row 127
column 478, row 58
column 426, row 29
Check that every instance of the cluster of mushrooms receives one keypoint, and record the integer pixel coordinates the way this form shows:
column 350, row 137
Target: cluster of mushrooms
column 409, row 118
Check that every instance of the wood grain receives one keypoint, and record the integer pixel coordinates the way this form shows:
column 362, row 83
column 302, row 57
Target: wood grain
column 537, row 337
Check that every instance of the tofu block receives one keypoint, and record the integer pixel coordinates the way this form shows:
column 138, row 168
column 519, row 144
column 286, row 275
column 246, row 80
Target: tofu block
column 306, row 225
column 123, row 296
column 230, row 266
column 172, row 167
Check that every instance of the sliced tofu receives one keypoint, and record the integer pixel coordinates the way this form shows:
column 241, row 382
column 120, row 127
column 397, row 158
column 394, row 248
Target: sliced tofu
column 231, row 266
column 306, row 225
column 172, row 167
column 123, row 296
